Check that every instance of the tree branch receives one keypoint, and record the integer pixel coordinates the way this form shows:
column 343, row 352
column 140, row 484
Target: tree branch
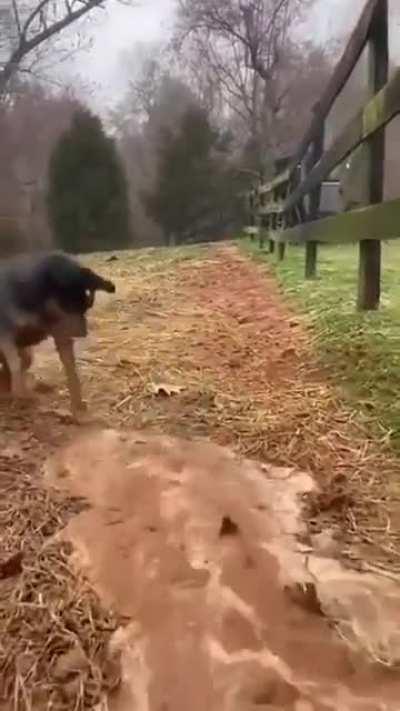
column 26, row 45
column 16, row 17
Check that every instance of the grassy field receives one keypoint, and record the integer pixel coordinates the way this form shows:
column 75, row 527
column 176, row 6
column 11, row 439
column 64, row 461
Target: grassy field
column 360, row 351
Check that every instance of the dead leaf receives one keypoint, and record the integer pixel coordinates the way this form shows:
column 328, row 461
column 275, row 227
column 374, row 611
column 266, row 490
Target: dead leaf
column 11, row 567
column 228, row 527
column 166, row 389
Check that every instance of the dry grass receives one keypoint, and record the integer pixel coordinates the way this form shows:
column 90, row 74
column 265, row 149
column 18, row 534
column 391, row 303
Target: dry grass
column 54, row 633
column 198, row 343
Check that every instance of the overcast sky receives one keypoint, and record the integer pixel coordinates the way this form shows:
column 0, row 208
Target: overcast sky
column 120, row 27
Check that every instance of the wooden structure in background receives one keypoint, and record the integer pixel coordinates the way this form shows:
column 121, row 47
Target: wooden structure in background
column 288, row 208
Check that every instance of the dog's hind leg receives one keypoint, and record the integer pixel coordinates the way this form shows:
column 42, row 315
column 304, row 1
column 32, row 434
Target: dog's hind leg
column 15, row 367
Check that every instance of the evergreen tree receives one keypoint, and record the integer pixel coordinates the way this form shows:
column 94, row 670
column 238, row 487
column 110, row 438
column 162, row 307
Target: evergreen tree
column 87, row 197
column 186, row 199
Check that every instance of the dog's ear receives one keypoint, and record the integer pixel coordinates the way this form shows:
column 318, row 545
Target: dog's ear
column 93, row 282
column 63, row 272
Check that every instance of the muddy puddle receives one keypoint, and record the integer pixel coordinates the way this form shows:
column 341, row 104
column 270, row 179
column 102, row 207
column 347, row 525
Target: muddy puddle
column 225, row 608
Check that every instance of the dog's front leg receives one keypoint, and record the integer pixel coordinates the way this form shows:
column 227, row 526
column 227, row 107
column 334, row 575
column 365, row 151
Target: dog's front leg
column 65, row 348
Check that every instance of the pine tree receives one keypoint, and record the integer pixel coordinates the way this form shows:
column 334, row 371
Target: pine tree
column 187, row 194
column 88, row 196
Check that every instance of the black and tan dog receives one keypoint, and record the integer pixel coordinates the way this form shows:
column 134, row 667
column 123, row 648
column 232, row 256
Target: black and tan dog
column 42, row 296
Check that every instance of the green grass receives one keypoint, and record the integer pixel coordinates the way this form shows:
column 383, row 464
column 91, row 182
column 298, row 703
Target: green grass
column 359, row 351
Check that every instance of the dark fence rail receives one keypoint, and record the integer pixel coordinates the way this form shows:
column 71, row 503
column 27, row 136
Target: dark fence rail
column 287, row 209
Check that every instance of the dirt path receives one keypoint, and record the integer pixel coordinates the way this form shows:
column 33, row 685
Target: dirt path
column 199, row 347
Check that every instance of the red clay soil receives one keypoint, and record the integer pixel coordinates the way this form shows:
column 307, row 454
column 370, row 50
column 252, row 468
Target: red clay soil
column 260, row 349
column 266, row 332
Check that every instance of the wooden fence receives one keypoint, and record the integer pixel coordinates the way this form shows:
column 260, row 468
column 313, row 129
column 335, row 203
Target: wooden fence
column 280, row 207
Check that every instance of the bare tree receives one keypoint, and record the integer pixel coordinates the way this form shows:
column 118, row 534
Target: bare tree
column 27, row 25
column 44, row 115
column 260, row 26
column 145, row 66
column 246, row 49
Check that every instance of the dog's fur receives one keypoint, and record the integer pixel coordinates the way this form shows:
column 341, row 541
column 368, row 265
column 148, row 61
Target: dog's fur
column 40, row 296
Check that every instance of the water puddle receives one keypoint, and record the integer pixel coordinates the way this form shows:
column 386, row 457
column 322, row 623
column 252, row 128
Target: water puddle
column 228, row 610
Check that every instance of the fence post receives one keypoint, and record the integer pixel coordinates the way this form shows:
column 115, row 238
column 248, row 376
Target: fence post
column 311, row 260
column 262, row 228
column 297, row 214
column 281, row 251
column 281, row 245
column 250, row 212
column 315, row 198
column 260, row 219
column 369, row 278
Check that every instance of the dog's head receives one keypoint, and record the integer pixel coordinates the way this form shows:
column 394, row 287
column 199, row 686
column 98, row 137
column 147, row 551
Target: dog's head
column 71, row 285
column 70, row 292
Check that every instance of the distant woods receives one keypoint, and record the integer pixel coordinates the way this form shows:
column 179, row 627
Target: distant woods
column 230, row 93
